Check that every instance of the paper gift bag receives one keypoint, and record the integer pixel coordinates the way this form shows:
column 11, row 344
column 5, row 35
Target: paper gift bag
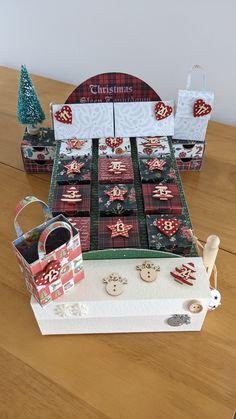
column 194, row 108
column 49, row 255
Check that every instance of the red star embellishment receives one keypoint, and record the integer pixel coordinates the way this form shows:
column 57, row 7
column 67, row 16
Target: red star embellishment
column 120, row 229
column 75, row 144
column 116, row 194
column 73, row 167
column 156, row 164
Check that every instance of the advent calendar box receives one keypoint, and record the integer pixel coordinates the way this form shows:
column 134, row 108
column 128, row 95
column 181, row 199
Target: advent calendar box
column 189, row 154
column 117, row 199
column 38, row 151
column 108, row 303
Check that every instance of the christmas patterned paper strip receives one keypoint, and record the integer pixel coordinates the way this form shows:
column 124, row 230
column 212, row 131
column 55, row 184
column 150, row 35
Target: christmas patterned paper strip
column 71, row 200
column 178, row 240
column 93, row 120
column 75, row 148
column 117, row 199
column 114, row 146
column 83, row 225
column 134, row 119
column 161, row 199
column 118, row 232
column 153, row 146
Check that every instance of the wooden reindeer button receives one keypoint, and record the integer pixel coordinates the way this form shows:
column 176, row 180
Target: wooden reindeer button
column 115, row 284
column 148, row 271
column 195, row 307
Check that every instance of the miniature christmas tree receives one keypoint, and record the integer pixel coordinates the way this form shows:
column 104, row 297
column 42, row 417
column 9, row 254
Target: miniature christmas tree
column 29, row 109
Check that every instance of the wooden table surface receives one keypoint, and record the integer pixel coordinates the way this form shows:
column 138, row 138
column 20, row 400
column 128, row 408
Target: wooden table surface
column 125, row 376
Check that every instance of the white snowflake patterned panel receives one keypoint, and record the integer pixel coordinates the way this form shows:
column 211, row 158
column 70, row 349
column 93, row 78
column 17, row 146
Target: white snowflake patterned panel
column 192, row 114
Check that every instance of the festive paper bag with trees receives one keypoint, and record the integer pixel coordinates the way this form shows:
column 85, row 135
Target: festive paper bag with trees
column 193, row 111
column 49, row 255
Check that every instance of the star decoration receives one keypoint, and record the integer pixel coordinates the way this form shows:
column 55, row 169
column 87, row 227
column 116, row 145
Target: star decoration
column 75, row 144
column 116, row 194
column 156, row 164
column 73, row 167
column 120, row 229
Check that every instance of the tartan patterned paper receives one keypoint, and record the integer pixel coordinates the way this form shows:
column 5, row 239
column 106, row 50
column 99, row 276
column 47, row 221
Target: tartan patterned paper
column 153, row 146
column 83, row 225
column 157, row 206
column 167, row 175
column 104, row 233
column 122, row 149
column 105, row 164
column 180, row 243
column 43, row 166
column 83, row 177
column 66, row 152
column 70, row 208
column 189, row 164
column 127, row 206
column 112, row 87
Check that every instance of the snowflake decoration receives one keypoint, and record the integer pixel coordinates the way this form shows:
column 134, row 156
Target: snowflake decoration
column 67, row 311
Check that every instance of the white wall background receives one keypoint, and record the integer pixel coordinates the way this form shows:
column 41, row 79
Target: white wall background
column 156, row 40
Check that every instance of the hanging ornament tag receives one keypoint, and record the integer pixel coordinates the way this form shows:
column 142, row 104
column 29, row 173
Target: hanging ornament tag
column 162, row 111
column 168, row 226
column 201, row 108
column 64, row 115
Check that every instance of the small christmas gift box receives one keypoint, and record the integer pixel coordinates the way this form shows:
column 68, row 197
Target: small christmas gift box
column 71, row 200
column 83, row 225
column 117, row 199
column 194, row 108
column 118, row 232
column 49, row 255
column 114, row 146
column 169, row 233
column 71, row 149
column 83, row 120
column 38, row 151
column 74, row 171
column 115, row 170
column 134, row 119
column 153, row 146
column 156, row 170
column 189, row 154
column 161, row 199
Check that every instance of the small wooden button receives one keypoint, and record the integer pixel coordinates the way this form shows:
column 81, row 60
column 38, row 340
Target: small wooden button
column 148, row 271
column 195, row 307
column 115, row 284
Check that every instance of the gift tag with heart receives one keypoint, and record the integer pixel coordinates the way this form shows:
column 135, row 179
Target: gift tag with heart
column 168, row 226
column 114, row 142
column 162, row 111
column 64, row 115
column 201, row 108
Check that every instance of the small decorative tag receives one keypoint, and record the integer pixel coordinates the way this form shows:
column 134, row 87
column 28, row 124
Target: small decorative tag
column 120, row 229
column 64, row 115
column 113, row 142
column 73, row 167
column 162, row 111
column 201, row 108
column 72, row 195
column 116, row 194
column 50, row 274
column 117, row 167
column 156, row 164
column 115, row 284
column 185, row 274
column 148, row 271
column 75, row 144
column 168, row 226
column 162, row 192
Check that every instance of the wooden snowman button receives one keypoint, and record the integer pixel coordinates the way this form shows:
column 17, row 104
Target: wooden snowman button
column 115, row 284
column 148, row 271
column 195, row 307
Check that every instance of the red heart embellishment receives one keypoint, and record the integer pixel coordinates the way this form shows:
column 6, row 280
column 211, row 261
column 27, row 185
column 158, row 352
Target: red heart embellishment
column 168, row 226
column 64, row 115
column 162, row 111
column 201, row 108
column 50, row 274
column 113, row 142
